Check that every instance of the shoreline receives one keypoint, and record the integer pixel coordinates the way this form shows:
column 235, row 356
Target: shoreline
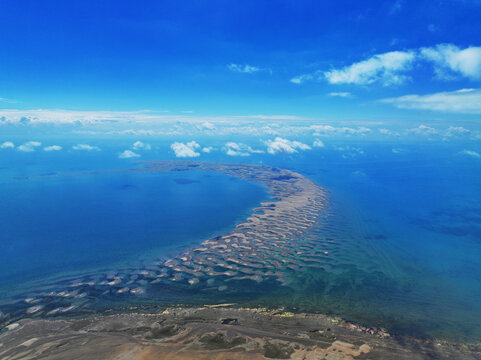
column 216, row 332
column 247, row 253
column 262, row 249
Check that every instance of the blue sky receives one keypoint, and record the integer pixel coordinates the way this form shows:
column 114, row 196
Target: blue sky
column 243, row 57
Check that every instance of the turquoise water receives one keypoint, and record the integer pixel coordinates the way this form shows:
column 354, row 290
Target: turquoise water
column 411, row 229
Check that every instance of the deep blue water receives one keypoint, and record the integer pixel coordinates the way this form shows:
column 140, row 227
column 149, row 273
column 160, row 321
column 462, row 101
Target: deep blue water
column 54, row 225
column 411, row 222
column 418, row 215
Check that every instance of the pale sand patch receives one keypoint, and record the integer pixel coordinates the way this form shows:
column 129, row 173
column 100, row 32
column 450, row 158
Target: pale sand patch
column 29, row 342
column 12, row 326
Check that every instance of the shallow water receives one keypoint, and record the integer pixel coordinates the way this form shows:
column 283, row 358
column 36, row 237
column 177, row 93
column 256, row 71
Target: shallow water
column 74, row 224
column 405, row 232
column 411, row 226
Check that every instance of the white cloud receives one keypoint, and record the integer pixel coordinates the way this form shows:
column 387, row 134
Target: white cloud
column 128, row 154
column 385, row 68
column 390, row 68
column 207, row 149
column 7, row 145
column 450, row 60
column 457, row 131
column 136, row 132
column 467, row 101
column 139, row 145
column 29, row 146
column 340, row 94
column 362, row 130
column 272, row 117
column 208, row 125
column 239, row 149
column 40, row 116
column 328, row 129
column 349, row 152
column 248, row 69
column 423, row 130
column 471, row 153
column 149, row 123
column 323, row 129
column 318, row 143
column 285, row 146
column 306, row 77
column 232, row 152
column 185, row 150
column 85, row 147
column 52, row 148
column 388, row 132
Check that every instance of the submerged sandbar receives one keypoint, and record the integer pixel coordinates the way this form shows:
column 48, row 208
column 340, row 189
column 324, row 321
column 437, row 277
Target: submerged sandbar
column 260, row 249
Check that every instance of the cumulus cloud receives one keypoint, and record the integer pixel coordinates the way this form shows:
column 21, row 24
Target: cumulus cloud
column 136, row 123
column 29, row 146
column 318, row 143
column 329, row 129
column 52, row 148
column 471, row 153
column 139, row 145
column 85, row 147
column 128, row 154
column 239, row 149
column 423, row 130
column 208, row 125
column 7, row 145
column 385, row 68
column 449, row 60
column 456, row 131
column 285, row 146
column 340, row 94
column 207, row 149
column 157, row 121
column 388, row 132
column 42, row 116
column 467, row 101
column 306, row 77
column 248, row 69
column 185, row 150
column 390, row 68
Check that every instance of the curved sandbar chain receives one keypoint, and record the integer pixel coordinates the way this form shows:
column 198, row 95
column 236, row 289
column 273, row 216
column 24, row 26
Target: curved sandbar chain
column 261, row 246
column 275, row 238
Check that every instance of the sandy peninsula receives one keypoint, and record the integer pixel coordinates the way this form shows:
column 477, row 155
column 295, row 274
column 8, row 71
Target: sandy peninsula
column 88, row 316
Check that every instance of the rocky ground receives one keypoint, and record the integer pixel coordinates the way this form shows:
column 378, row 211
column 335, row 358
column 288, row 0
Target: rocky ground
column 215, row 333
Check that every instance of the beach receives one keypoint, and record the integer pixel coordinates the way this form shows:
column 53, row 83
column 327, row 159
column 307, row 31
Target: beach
column 218, row 332
column 233, row 294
